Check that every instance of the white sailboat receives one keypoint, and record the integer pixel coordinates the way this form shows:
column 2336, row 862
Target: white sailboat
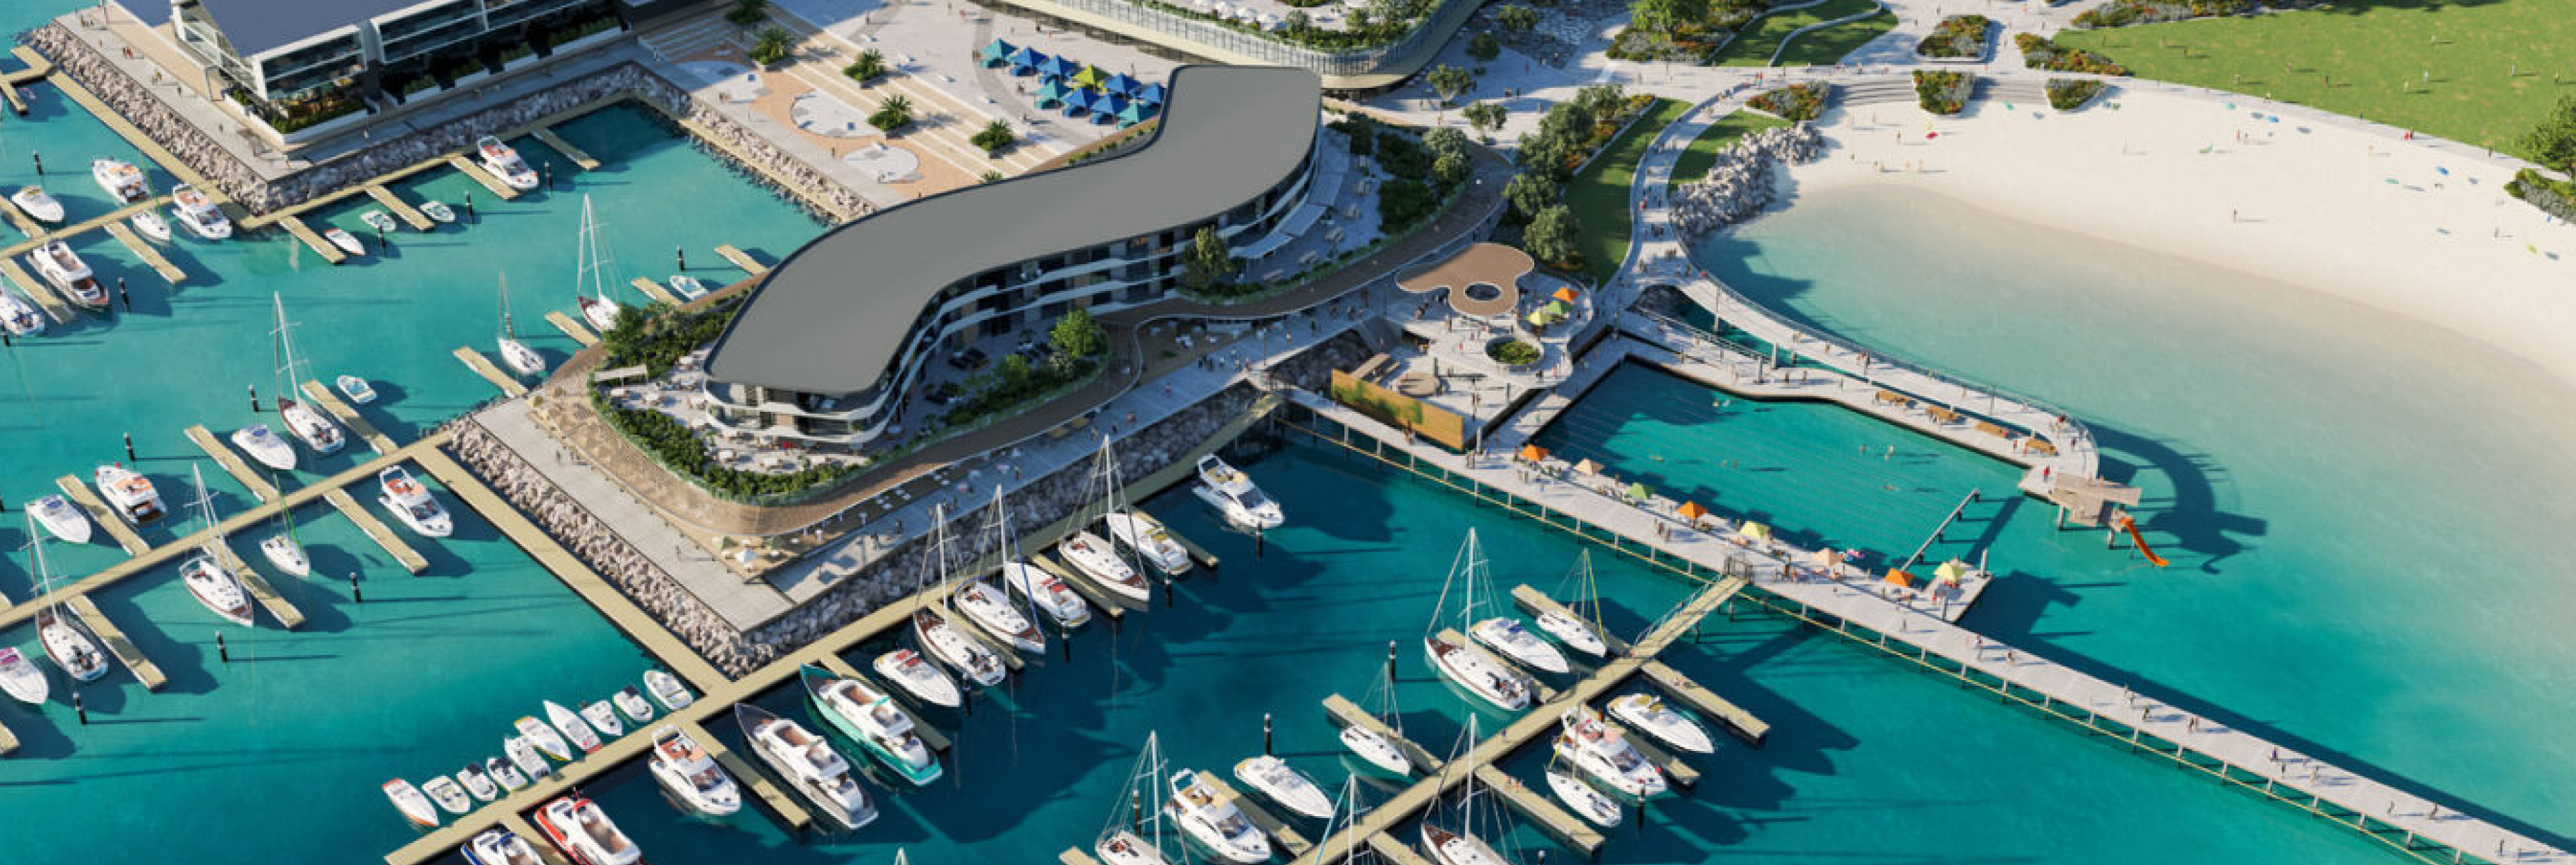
column 1457, row 841
column 1371, row 746
column 1587, row 743
column 198, row 213
column 590, row 276
column 908, row 670
column 515, row 354
column 1232, row 493
column 1592, row 804
column 1506, row 688
column 284, row 551
column 1284, row 785
column 1134, row 834
column 266, row 446
column 809, row 764
column 1649, row 715
column 317, row 430
column 204, row 573
column 690, row 775
column 412, row 503
column 1504, row 634
column 1214, row 822
column 61, row 518
column 150, row 224
column 941, row 637
column 70, row 646
column 1577, row 624
column 1139, row 531
column 991, row 608
column 1094, row 557
column 1038, row 588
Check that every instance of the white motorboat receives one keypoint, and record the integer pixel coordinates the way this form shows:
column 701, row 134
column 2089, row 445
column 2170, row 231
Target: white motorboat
column 1573, row 632
column 18, row 315
column 1091, row 555
column 1214, row 822
column 61, row 518
column 1047, row 593
column 536, row 734
column 1458, row 848
column 316, row 429
column 70, row 647
column 1588, row 802
column 1505, row 634
column 266, row 446
column 198, row 213
column 478, row 783
column 991, row 609
column 524, row 756
column 37, row 203
column 130, row 494
column 1376, row 750
column 668, row 691
column 1146, row 535
column 584, row 832
column 120, row 178
column 913, row 673
column 1124, row 848
column 1592, row 746
column 379, row 220
column 862, row 713
column 450, row 797
column 438, row 212
column 22, row 678
column 412, row 503
column 691, row 776
column 504, row 774
column 59, row 265
column 504, row 163
column 1649, row 715
column 1502, row 686
column 958, row 651
column 216, row 588
column 283, row 551
column 1232, row 493
column 348, row 243
column 1285, row 785
column 603, row 716
column 808, row 763
column 500, row 847
column 688, row 287
column 631, row 703
column 150, row 224
column 573, row 730
column 414, row 806
column 357, row 390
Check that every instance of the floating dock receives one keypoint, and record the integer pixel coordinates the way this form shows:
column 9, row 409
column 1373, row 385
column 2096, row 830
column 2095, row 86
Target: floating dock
column 1739, row 723
column 482, row 366
column 576, row 154
column 571, row 328
column 483, row 177
column 1537, row 603
column 43, row 294
column 375, row 530
column 118, row 643
column 259, row 589
column 779, row 801
column 151, row 256
column 401, row 209
column 936, row 741
column 1567, row 829
column 99, row 513
column 1289, row 840
column 241, row 471
column 1113, row 606
column 376, row 441
column 741, row 260
column 26, row 225
column 1349, row 714
column 296, row 226
column 655, row 291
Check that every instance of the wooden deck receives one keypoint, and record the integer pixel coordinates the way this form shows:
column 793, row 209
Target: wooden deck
column 117, row 643
column 106, row 518
column 330, row 401
column 401, row 209
column 150, row 254
column 483, row 177
column 296, row 226
column 576, row 154
column 26, row 225
column 1075, row 856
column 250, row 478
column 37, row 290
column 571, row 328
column 1736, row 721
column 482, row 366
column 375, row 530
column 655, row 291
column 259, row 589
column 741, row 259
column 1348, row 714
column 8, row 741
column 1534, row 806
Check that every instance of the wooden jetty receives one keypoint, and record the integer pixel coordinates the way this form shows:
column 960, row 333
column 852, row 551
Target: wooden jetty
column 1739, row 723
column 1289, row 840
column 8, row 741
column 259, row 589
column 17, row 103
column 117, row 643
column 483, row 177
column 741, row 259
column 26, row 225
column 780, row 802
column 930, row 736
column 39, row 291
column 1113, row 606
column 241, row 471
column 576, row 154
column 1394, row 850
column 571, row 328
column 482, row 366
column 1348, row 714
column 151, row 255
column 655, row 291
column 1538, row 689
column 1197, row 553
column 1537, row 603
column 100, row 513
column 375, row 530
column 296, row 226
column 376, row 441
column 401, row 209
column 1075, row 856
column 1567, row 829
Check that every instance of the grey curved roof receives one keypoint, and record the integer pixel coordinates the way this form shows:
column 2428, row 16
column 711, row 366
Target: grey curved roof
column 830, row 318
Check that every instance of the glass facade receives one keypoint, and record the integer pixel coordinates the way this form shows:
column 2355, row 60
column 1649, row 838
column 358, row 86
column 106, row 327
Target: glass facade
column 440, row 32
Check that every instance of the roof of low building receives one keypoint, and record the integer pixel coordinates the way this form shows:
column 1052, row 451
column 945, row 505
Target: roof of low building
column 253, row 26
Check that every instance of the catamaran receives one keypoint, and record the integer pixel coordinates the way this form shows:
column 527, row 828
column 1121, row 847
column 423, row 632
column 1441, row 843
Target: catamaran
column 668, row 691
column 22, row 678
column 808, row 763
column 1047, row 593
column 1648, row 714
column 120, row 178
column 414, row 806
column 1213, row 821
column 631, row 703
column 20, row 317
column 515, row 354
column 873, row 720
column 1139, row 531
column 478, row 783
column 505, row 163
column 1460, row 845
column 37, row 203
column 592, row 268
column 1505, row 634
column 1231, row 492
column 412, row 503
column 603, row 717
column 61, row 518
column 691, row 776
column 1119, row 842
column 1583, row 740
column 266, row 446
column 450, row 797
column 58, row 264
column 318, row 430
column 908, row 670
column 1488, row 679
column 1284, row 785
column 536, row 734
column 130, row 494
column 70, row 647
column 500, row 847
column 582, row 831
column 570, row 725
column 1592, row 804
column 150, row 224
column 199, row 213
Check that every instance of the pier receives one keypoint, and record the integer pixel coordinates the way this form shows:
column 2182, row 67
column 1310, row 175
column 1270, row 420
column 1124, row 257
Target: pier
column 576, row 154
column 654, row 290
column 151, row 256
column 1738, row 723
column 42, row 293
column 779, row 801
column 259, row 589
column 106, row 518
column 117, row 643
column 1289, row 840
column 482, row 366
column 1348, row 714
column 8, row 741
column 1537, row 603
column 571, row 328
column 296, row 226
column 1534, row 806
column 1387, row 847
column 741, row 259
column 1075, row 856
column 241, row 471
column 375, row 530
column 483, row 177
column 26, row 225
column 401, row 209
column 376, row 441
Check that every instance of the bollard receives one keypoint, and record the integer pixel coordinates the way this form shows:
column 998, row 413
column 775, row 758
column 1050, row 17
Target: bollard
column 469, row 205
column 1265, row 734
column 1064, row 636
column 254, row 397
column 1390, row 660
column 122, row 296
column 380, row 237
column 5, row 342
column 680, row 257
column 40, row 162
column 221, row 651
column 78, row 709
column 355, row 596
column 1256, row 543
column 1171, row 593
column 548, row 181
column 129, row 448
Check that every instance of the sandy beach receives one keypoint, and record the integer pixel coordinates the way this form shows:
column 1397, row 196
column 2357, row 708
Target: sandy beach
column 2363, row 216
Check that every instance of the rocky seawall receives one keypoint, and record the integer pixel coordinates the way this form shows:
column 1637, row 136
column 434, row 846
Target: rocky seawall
column 1740, row 183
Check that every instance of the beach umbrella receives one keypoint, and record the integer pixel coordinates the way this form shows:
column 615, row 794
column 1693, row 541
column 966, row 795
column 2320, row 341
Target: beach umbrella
column 1567, row 294
column 1640, row 492
column 1105, row 108
column 1090, row 76
column 1533, row 453
column 1122, row 84
column 1055, row 67
column 1825, row 558
column 1690, row 511
column 1076, row 101
column 1587, row 467
column 1557, row 307
column 1051, row 91
column 1900, row 578
column 1756, row 531
column 1951, row 571
column 1151, row 93
column 996, row 53
column 1027, row 59
column 1134, row 113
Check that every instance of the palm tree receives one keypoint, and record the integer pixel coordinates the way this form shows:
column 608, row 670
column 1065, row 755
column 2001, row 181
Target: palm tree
column 894, row 114
column 773, row 45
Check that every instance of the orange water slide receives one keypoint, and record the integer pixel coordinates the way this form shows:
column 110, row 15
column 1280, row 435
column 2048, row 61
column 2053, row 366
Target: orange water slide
column 2130, row 525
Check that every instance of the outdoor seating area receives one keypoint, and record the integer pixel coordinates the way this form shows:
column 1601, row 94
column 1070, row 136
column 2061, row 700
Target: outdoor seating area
column 1078, row 89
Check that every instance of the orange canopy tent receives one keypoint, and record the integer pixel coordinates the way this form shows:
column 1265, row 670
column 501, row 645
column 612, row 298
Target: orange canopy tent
column 1566, row 294
column 1900, row 579
column 1533, row 453
column 1691, row 511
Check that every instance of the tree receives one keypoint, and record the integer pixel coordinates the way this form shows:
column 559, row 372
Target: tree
column 1484, row 46
column 1485, row 116
column 989, row 177
column 869, row 67
column 1517, row 18
column 1076, row 336
column 1663, row 15
column 1551, row 236
column 1445, row 141
column 994, row 136
column 895, row 114
column 2553, row 142
column 1449, row 170
column 1546, row 157
column 1529, row 193
column 747, row 12
column 1014, row 370
column 1209, row 261
column 773, row 45
column 1297, row 21
column 1449, row 81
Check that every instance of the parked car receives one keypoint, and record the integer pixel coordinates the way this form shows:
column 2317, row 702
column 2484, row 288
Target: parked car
column 970, row 360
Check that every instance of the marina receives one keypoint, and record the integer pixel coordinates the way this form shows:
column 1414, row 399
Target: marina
column 312, row 241
column 401, row 209
column 482, row 366
column 232, row 463
column 151, row 256
column 571, row 328
column 547, row 135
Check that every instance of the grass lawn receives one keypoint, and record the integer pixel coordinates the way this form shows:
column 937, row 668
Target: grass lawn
column 1755, row 45
column 1599, row 195
column 1718, row 136
column 2491, row 64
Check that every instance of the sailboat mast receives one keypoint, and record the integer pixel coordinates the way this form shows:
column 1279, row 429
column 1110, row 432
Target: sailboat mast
column 505, row 305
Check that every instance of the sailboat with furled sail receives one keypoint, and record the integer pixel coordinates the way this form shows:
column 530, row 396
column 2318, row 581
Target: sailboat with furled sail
column 939, row 636
column 515, row 354
column 213, row 584
column 284, row 551
column 317, row 430
column 70, row 647
column 590, row 276
column 1457, row 839
column 1134, row 835
column 1577, row 624
column 1490, row 680
column 1370, row 745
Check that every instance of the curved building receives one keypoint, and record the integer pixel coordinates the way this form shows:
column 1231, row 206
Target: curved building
column 831, row 343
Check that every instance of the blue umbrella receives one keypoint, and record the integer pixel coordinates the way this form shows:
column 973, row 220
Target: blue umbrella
column 1057, row 67
column 1105, row 107
column 1076, row 99
column 1052, row 91
column 997, row 53
column 1028, row 59
column 1122, row 84
column 1150, row 93
column 1134, row 113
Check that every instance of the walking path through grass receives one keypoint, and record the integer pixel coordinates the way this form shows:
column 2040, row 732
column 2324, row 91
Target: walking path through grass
column 1755, row 46
column 1599, row 195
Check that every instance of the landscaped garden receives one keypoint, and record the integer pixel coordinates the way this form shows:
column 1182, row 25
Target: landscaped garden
column 1796, row 102
column 1755, row 44
column 1942, row 92
column 1680, row 30
column 2037, row 52
column 1702, row 153
column 1958, row 37
column 2068, row 94
column 1598, row 196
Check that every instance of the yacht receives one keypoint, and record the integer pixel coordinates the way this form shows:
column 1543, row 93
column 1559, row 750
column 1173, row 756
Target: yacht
column 573, row 730
column 198, row 213
column 604, row 717
column 1144, row 534
column 216, row 588
column 1088, row 553
column 1650, row 715
column 991, row 609
column 688, row 286
column 1590, row 803
column 22, row 678
column 129, row 494
column 150, row 224
column 61, row 518
column 1047, row 593
column 357, row 390
column 1505, row 634
column 503, row 773
column 266, row 446
column 412, row 503
column 70, row 647
column 58, row 264
column 599, row 311
column 1124, row 848
column 505, row 163
column 414, row 806
column 282, row 551
column 631, row 703
column 1455, row 848
column 1285, row 785
column 668, row 691
column 501, row 847
column 478, row 783
column 348, row 243
column 438, row 211
column 20, row 316
column 1215, row 822
column 584, row 832
column 520, row 358
column 1585, row 741
column 691, row 776
column 120, row 178
column 809, row 763
column 872, row 719
column 1506, row 688
column 379, row 220
column 37, row 203
column 908, row 670
column 1573, row 632
column 536, row 734
column 450, row 797
column 524, row 755
column 957, row 650
column 1231, row 492
column 303, row 421
column 1376, row 750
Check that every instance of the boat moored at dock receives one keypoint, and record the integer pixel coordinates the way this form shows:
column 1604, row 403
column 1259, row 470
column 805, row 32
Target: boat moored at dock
column 1573, row 633
column 150, row 224
column 584, row 832
column 1651, row 716
column 504, row 163
column 22, row 679
column 573, row 730
column 283, row 551
column 1376, row 750
column 348, row 243
column 503, row 773
column 380, row 221
column 478, row 783
column 500, row 847
column 1047, row 593
column 1592, row 804
column 438, row 211
column 1590, row 745
column 871, row 719
column 70, row 647
column 130, row 494
column 414, row 806
column 198, row 213
column 688, row 286
column 266, row 446
column 61, row 518
column 1146, row 535
column 603, row 717
column 413, row 504
column 450, row 797
column 19, row 316
column 524, row 755
column 809, row 764
column 38, row 204
column 1458, row 848
column 691, row 775
column 58, row 264
column 1232, row 493
column 357, row 390
column 1505, row 688
column 536, row 734
column 1285, row 785
column 631, row 703
column 215, row 587
column 1214, row 822
column 960, row 652
column 1088, row 553
column 120, row 178
column 1505, row 634
column 915, row 674
column 668, row 691
column 991, row 609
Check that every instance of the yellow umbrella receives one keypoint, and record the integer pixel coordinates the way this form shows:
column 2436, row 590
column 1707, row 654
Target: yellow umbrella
column 1951, row 571
column 1756, row 531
